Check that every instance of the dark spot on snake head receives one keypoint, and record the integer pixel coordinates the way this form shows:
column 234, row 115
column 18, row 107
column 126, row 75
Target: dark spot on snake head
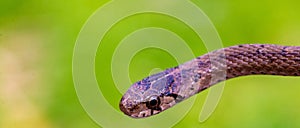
column 240, row 46
column 179, row 98
column 170, row 80
column 196, row 80
column 146, row 80
column 262, row 46
column 197, row 77
column 151, row 112
column 169, row 70
column 172, row 95
column 201, row 64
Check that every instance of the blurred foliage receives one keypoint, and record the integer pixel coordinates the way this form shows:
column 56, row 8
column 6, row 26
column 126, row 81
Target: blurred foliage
column 253, row 101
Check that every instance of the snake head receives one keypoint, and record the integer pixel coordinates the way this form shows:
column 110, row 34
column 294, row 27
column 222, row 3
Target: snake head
column 146, row 108
column 149, row 96
column 150, row 106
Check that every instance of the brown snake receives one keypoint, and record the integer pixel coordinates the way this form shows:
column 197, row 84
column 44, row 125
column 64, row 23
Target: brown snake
column 163, row 90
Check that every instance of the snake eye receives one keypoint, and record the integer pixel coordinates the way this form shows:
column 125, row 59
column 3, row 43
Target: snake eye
column 153, row 102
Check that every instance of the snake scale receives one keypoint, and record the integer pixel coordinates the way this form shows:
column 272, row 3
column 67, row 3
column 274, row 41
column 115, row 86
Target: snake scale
column 163, row 90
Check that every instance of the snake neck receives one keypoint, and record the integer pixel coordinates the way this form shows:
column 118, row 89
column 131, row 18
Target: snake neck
column 248, row 59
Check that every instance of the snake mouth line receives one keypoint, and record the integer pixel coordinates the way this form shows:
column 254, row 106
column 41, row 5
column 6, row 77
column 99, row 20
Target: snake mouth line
column 138, row 111
column 148, row 108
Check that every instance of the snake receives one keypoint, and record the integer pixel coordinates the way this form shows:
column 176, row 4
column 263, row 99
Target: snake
column 161, row 91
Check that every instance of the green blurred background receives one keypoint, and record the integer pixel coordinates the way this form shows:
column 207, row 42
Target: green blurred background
column 36, row 46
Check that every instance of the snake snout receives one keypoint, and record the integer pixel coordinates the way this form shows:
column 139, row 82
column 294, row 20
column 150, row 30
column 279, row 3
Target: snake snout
column 123, row 109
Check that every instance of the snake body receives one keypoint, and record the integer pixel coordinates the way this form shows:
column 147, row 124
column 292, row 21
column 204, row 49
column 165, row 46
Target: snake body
column 163, row 90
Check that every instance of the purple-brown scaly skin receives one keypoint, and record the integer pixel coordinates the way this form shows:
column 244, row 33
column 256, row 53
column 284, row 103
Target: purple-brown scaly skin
column 163, row 90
